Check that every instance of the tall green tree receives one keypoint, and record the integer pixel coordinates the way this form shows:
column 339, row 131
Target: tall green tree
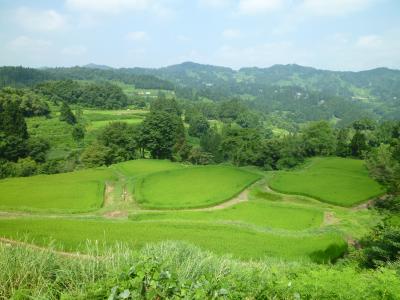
column 343, row 143
column 12, row 121
column 210, row 142
column 168, row 105
column 159, row 133
column 358, row 144
column 198, row 126
column 383, row 165
column 13, row 131
column 319, row 138
column 66, row 114
column 121, row 138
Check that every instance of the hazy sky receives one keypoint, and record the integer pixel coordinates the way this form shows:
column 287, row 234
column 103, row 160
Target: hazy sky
column 330, row 34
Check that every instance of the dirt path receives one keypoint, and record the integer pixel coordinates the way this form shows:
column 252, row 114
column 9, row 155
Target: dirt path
column 109, row 201
column 11, row 243
column 242, row 197
column 108, row 194
column 330, row 219
column 363, row 206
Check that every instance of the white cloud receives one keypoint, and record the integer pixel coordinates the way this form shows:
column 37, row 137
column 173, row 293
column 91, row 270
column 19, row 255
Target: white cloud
column 107, row 6
column 76, row 50
column 252, row 7
column 88, row 7
column 215, row 3
column 369, row 41
column 136, row 36
column 37, row 20
column 26, row 44
column 334, row 7
column 342, row 51
column 183, row 38
column 231, row 33
column 265, row 54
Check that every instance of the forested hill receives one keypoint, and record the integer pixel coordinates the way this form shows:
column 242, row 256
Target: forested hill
column 304, row 93
column 20, row 76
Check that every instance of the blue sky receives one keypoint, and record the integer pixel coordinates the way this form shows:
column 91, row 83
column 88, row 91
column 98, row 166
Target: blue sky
column 328, row 34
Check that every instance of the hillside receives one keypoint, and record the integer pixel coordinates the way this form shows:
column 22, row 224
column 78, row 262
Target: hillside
column 304, row 93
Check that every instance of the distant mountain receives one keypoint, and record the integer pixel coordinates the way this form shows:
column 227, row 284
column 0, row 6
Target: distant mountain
column 304, row 93
column 376, row 90
column 94, row 66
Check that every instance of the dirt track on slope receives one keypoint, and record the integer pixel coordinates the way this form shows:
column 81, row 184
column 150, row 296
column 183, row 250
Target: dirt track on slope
column 242, row 197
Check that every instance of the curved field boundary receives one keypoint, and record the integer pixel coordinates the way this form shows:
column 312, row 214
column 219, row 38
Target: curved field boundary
column 241, row 197
column 355, row 205
column 232, row 199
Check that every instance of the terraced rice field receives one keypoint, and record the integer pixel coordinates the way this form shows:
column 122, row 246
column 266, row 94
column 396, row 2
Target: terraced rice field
column 339, row 181
column 252, row 224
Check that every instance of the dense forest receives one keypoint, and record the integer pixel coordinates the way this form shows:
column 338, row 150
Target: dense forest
column 301, row 93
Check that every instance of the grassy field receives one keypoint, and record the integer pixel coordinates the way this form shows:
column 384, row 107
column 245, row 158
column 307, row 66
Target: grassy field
column 192, row 187
column 238, row 241
column 68, row 192
column 256, row 212
column 338, row 181
column 142, row 167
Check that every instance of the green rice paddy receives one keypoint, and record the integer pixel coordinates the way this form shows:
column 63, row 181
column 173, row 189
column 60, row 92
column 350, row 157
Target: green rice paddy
column 110, row 205
column 192, row 187
column 334, row 180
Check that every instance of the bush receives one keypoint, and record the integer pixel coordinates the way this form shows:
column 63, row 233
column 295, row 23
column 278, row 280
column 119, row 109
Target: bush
column 380, row 247
column 25, row 167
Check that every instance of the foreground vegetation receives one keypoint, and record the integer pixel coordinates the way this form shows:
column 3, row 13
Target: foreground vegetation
column 176, row 270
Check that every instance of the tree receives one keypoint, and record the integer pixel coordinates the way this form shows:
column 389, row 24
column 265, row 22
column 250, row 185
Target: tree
column 121, row 138
column 210, row 142
column 30, row 103
column 242, row 146
column 384, row 167
column 291, row 152
column 12, row 121
column 364, row 124
column 381, row 246
column 38, row 148
column 25, row 167
column 12, row 147
column 96, row 155
column 198, row 126
column 169, row 105
column 13, row 131
column 319, row 138
column 199, row 157
column 248, row 119
column 159, row 132
column 66, row 114
column 343, row 143
column 78, row 132
column 358, row 144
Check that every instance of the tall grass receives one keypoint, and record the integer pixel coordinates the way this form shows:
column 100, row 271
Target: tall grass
column 28, row 273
